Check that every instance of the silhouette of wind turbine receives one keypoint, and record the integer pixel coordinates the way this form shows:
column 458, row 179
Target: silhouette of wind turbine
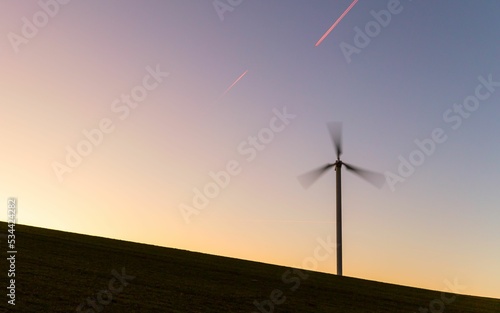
column 307, row 179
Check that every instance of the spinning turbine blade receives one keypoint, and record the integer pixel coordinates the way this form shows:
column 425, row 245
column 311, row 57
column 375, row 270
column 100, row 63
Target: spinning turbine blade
column 374, row 178
column 335, row 130
column 377, row 179
column 307, row 179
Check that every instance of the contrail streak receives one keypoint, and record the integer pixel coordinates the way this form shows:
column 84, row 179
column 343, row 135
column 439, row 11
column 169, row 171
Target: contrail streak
column 232, row 85
column 336, row 22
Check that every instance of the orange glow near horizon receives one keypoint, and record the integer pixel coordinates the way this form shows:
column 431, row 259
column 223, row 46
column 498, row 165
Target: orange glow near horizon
column 175, row 142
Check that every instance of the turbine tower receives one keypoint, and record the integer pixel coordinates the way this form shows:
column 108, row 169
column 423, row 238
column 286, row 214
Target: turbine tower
column 307, row 179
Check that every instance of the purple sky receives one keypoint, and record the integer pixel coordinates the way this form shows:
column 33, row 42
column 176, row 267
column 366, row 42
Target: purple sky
column 142, row 92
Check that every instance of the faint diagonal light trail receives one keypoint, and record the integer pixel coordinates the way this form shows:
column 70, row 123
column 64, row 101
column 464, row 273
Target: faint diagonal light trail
column 336, row 22
column 236, row 81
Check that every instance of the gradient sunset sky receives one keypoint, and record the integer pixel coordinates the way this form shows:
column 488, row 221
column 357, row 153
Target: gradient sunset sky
column 222, row 77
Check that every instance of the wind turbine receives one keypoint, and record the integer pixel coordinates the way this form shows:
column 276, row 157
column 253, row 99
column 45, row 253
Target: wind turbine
column 307, row 179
